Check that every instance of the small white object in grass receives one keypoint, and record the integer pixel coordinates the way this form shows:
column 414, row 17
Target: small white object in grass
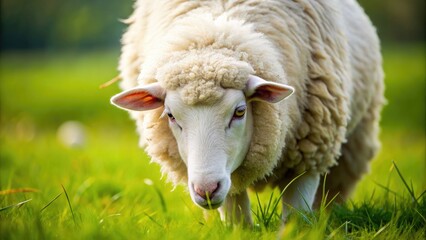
column 148, row 182
column 72, row 134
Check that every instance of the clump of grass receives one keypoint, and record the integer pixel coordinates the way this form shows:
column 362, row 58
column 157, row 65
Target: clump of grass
column 373, row 216
column 401, row 214
column 269, row 218
column 268, row 213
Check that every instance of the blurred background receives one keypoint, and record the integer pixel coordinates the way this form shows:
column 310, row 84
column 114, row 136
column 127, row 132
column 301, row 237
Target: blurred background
column 82, row 25
column 57, row 126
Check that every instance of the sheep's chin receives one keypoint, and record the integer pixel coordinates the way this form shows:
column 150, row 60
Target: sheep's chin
column 211, row 206
column 214, row 203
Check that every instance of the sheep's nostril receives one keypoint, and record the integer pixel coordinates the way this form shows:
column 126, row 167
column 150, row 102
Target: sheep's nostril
column 207, row 190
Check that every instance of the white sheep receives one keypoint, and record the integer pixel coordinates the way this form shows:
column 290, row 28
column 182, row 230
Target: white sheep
column 212, row 75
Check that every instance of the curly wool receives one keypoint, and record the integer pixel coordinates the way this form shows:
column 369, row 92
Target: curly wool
column 203, row 75
column 326, row 49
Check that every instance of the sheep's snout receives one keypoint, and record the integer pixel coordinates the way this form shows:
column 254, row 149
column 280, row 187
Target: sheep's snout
column 209, row 194
column 207, row 191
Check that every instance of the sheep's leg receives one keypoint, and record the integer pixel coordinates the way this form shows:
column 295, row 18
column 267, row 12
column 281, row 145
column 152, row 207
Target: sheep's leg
column 300, row 194
column 236, row 209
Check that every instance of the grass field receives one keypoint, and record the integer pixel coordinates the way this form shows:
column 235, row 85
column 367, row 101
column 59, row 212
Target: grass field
column 106, row 188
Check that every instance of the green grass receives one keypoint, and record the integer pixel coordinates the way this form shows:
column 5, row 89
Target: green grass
column 106, row 189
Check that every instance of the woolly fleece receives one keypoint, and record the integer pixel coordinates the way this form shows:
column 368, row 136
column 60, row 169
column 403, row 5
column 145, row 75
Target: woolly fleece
column 326, row 49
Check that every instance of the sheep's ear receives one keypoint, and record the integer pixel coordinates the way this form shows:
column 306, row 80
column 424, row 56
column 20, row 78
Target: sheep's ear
column 258, row 89
column 140, row 98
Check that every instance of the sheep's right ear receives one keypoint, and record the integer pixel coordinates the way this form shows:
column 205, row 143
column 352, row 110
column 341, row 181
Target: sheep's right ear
column 143, row 98
column 258, row 89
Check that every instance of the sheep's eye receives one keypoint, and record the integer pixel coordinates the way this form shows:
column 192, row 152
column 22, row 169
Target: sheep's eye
column 239, row 112
column 171, row 117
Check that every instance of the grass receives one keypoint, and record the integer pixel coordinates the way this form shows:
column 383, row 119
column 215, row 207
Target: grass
column 106, row 188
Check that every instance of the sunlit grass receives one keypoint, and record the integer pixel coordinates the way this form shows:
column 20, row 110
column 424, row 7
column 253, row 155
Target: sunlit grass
column 114, row 192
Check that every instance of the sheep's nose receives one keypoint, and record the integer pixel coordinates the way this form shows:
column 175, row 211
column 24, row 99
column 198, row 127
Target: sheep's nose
column 207, row 190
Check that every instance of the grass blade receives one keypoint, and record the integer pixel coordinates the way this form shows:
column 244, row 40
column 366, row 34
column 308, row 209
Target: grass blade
column 423, row 218
column 162, row 201
column 260, row 206
column 406, row 185
column 381, row 230
column 387, row 189
column 285, row 188
column 324, row 193
column 69, row 203
column 335, row 231
column 331, row 200
column 209, row 202
column 421, row 195
column 301, row 213
column 15, row 205
column 18, row 190
column 269, row 203
column 304, row 201
column 50, row 202
column 153, row 220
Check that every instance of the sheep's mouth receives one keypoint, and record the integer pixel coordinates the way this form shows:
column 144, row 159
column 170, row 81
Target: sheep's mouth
column 210, row 206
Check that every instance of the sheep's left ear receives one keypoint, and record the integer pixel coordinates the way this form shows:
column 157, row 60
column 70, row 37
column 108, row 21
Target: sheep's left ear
column 258, row 89
column 143, row 98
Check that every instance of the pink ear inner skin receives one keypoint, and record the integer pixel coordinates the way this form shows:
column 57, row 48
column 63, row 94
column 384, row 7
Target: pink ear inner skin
column 139, row 101
column 268, row 93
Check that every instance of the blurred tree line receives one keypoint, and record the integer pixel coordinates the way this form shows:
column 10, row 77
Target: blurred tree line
column 41, row 24
column 397, row 20
column 81, row 24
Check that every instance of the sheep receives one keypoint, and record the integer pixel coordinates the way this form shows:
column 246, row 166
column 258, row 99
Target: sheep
column 244, row 94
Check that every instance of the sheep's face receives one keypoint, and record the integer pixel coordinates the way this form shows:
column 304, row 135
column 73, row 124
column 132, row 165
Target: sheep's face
column 213, row 139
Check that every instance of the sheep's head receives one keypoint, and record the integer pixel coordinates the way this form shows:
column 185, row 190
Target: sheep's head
column 213, row 137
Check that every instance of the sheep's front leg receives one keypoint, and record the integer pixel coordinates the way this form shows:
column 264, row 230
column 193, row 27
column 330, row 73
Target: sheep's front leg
column 236, row 209
column 300, row 194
